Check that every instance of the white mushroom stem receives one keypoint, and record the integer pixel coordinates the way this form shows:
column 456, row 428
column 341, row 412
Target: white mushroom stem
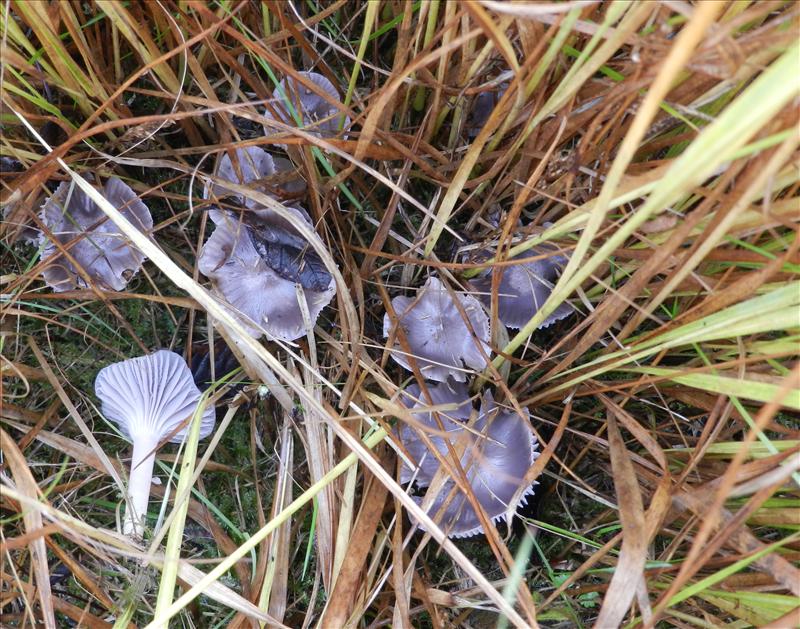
column 141, row 476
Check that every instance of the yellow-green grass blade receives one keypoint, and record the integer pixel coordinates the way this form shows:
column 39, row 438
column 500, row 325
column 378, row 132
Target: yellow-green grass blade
column 756, row 106
column 697, row 588
column 67, row 73
column 728, row 449
column 776, row 311
column 740, row 387
column 11, row 30
column 162, row 618
column 756, row 608
column 631, row 20
column 172, row 553
column 140, row 41
column 576, row 219
column 369, row 21
column 30, row 94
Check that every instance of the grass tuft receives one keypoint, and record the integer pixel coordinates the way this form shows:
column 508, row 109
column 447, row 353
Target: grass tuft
column 653, row 144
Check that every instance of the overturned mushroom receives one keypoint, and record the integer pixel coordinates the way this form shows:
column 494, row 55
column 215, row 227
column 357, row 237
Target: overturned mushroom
column 254, row 167
column 313, row 110
column 150, row 398
column 523, row 289
column 440, row 340
column 495, row 456
column 101, row 249
column 257, row 265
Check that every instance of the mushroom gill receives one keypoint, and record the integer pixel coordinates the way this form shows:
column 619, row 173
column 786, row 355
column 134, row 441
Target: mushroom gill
column 97, row 244
column 496, row 454
column 311, row 109
column 254, row 167
column 151, row 399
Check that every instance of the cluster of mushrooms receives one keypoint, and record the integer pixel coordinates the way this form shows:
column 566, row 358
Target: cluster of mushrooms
column 447, row 335
column 270, row 276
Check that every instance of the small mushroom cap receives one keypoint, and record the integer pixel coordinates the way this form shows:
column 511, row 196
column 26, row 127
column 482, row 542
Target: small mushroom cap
column 523, row 289
column 102, row 251
column 455, row 393
column 482, row 108
column 439, row 339
column 255, row 164
column 317, row 114
column 496, row 457
column 294, row 186
column 151, row 396
column 241, row 275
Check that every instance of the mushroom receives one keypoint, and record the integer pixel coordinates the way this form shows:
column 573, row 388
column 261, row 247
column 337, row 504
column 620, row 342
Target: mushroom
column 314, row 111
column 276, row 174
column 290, row 186
column 210, row 362
column 482, row 108
column 150, row 399
column 440, row 340
column 256, row 266
column 454, row 394
column 523, row 289
column 495, row 455
column 101, row 249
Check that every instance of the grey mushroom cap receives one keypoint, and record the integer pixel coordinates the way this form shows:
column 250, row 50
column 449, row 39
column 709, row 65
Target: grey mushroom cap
column 523, row 289
column 482, row 107
column 153, row 394
column 496, row 458
column 102, row 250
column 452, row 393
column 254, row 164
column 317, row 114
column 439, row 339
column 251, row 286
column 293, row 185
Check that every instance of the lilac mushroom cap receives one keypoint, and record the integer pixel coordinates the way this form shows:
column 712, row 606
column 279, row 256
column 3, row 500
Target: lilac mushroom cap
column 451, row 393
column 482, row 108
column 438, row 337
column 293, row 186
column 253, row 287
column 523, row 289
column 101, row 249
column 149, row 398
column 316, row 113
column 251, row 165
column 495, row 458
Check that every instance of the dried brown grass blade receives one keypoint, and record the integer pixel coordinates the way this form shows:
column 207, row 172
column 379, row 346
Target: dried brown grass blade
column 223, row 594
column 108, row 467
column 279, row 545
column 347, row 582
column 76, row 450
column 89, row 580
column 20, row 541
column 710, row 508
column 78, row 615
column 629, row 570
column 26, row 485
